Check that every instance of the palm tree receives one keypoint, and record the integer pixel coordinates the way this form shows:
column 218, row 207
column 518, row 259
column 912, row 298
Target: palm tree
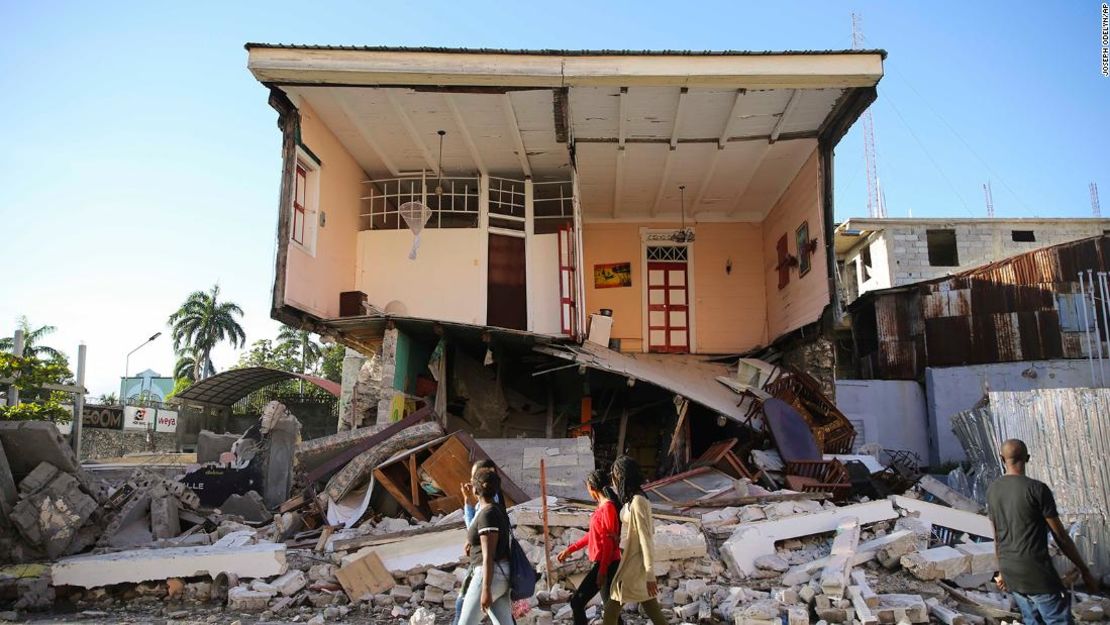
column 300, row 343
column 186, row 365
column 31, row 342
column 203, row 322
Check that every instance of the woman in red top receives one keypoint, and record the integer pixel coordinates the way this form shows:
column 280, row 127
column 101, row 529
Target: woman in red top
column 602, row 544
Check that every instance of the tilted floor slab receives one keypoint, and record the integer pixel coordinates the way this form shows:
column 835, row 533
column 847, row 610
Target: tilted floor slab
column 141, row 565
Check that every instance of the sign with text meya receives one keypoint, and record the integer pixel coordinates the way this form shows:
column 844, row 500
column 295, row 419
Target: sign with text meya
column 142, row 418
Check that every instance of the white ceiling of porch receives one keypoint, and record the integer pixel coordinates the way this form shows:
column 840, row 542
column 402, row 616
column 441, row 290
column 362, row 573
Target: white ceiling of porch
column 734, row 150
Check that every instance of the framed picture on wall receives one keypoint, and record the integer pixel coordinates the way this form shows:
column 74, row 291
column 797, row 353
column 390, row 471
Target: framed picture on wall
column 805, row 251
column 612, row 275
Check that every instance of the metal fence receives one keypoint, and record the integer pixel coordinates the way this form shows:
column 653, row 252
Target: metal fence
column 1067, row 431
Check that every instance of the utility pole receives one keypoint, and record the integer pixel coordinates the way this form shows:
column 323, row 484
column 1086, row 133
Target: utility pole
column 78, row 404
column 17, row 351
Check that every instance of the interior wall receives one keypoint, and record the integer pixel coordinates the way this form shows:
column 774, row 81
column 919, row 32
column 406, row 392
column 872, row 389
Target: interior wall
column 313, row 282
column 543, row 283
column 444, row 281
column 729, row 307
column 802, row 300
column 604, row 243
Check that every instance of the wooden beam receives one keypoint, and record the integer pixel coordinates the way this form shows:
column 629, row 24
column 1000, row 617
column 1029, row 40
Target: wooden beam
column 678, row 116
column 468, row 141
column 621, row 98
column 706, row 179
column 623, row 429
column 727, row 131
column 790, row 105
column 414, row 134
column 375, row 147
column 514, row 131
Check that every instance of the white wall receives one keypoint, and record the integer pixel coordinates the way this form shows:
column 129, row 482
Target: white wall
column 543, row 283
column 445, row 282
column 889, row 412
column 950, row 390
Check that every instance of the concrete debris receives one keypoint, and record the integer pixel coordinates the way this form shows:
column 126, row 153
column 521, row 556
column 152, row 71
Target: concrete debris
column 250, row 507
column 91, row 571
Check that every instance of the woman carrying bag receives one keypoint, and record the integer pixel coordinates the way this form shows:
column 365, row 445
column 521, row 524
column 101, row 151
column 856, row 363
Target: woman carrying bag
column 634, row 581
column 602, row 544
column 488, row 538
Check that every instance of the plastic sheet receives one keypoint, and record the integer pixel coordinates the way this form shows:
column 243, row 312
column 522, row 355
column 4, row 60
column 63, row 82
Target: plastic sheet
column 1067, row 431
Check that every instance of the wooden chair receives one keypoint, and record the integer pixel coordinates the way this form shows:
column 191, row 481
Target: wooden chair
column 818, row 476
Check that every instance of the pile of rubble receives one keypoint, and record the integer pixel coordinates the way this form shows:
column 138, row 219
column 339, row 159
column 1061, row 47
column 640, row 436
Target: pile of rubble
column 362, row 526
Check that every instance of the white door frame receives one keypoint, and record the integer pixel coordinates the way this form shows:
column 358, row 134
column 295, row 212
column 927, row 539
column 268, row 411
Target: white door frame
column 656, row 237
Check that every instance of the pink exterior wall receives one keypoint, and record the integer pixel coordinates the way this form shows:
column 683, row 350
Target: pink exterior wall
column 803, row 299
column 313, row 284
column 729, row 308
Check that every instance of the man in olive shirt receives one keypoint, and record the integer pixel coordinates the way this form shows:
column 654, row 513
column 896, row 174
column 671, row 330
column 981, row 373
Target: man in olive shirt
column 1023, row 512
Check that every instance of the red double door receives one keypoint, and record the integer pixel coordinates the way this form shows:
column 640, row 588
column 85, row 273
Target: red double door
column 668, row 307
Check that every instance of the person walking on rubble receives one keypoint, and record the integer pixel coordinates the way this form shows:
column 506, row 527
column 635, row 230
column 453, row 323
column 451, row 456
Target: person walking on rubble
column 1023, row 511
column 470, row 502
column 486, row 590
column 634, row 580
column 602, row 544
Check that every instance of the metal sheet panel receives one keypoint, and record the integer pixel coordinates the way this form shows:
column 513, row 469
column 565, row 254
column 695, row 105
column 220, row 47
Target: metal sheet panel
column 1068, row 436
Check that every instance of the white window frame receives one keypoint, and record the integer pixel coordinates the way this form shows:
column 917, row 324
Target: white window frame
column 312, row 203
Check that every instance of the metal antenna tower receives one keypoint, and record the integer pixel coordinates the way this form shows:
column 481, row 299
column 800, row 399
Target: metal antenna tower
column 990, row 198
column 1095, row 208
column 876, row 207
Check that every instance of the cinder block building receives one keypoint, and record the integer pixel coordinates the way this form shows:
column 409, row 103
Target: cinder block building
column 882, row 253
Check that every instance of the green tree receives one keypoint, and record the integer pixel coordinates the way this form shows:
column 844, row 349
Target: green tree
column 30, row 374
column 109, row 399
column 331, row 367
column 179, row 385
column 32, row 342
column 201, row 323
column 300, row 345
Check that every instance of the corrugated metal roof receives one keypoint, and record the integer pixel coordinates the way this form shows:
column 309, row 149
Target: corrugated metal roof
column 224, row 389
column 554, row 52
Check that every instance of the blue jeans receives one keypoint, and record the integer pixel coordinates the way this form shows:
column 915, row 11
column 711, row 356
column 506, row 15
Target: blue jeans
column 1047, row 609
column 501, row 612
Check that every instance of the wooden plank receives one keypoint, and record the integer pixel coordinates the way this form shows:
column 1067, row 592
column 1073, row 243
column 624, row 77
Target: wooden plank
column 449, row 467
column 414, row 480
column 365, row 576
column 328, row 530
column 400, row 494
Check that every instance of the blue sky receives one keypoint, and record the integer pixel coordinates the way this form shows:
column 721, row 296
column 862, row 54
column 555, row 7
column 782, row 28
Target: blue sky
column 142, row 160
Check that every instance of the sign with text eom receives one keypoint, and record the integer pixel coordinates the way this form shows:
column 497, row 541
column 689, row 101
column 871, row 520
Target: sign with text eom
column 110, row 417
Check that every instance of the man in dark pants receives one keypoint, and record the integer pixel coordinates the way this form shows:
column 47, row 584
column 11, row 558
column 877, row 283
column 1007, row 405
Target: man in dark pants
column 1023, row 511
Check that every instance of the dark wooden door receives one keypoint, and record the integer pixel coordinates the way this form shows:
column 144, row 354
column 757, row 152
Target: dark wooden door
column 507, row 292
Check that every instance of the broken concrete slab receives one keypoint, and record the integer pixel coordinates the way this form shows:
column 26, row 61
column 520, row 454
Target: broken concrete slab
column 891, row 607
column 750, row 541
column 282, row 429
column 243, row 599
column 982, row 557
column 164, row 521
column 140, row 565
column 250, row 507
column 969, row 522
column 8, row 490
column 899, row 542
column 944, row 614
column 38, row 478
column 567, row 462
column 290, row 583
column 947, row 494
column 679, row 541
column 415, row 552
column 211, row 445
column 834, row 576
column 863, row 611
column 27, row 443
column 51, row 517
column 937, row 563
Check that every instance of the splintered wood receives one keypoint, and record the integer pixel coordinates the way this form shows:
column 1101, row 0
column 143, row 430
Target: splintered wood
column 834, row 577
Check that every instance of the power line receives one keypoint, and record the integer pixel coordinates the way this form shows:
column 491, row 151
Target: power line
column 928, row 154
